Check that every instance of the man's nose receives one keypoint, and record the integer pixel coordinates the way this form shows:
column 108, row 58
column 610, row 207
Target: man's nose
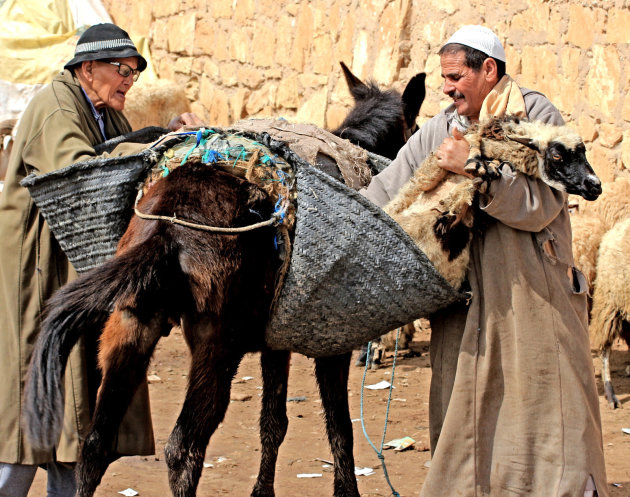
column 448, row 87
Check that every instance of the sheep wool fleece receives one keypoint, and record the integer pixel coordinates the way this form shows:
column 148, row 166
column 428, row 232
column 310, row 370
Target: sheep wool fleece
column 56, row 130
column 513, row 403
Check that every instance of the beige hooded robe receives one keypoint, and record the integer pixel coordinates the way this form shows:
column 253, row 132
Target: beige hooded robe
column 56, row 130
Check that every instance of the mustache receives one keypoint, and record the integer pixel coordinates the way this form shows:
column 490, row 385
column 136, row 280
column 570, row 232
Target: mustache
column 455, row 94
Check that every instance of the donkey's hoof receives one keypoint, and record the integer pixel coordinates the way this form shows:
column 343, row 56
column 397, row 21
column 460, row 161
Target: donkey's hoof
column 262, row 491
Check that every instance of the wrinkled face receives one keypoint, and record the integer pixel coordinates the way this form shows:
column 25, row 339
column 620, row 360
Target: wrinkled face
column 467, row 88
column 568, row 170
column 109, row 88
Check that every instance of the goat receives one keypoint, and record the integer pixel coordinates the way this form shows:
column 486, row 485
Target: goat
column 220, row 287
column 555, row 154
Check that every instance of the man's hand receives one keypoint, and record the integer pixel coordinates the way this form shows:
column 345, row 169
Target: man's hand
column 453, row 153
column 185, row 119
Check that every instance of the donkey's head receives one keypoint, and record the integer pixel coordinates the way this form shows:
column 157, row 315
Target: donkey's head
column 563, row 159
column 381, row 121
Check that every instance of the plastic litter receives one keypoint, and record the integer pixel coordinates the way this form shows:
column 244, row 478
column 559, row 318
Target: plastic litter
column 400, row 443
column 130, row 492
column 381, row 385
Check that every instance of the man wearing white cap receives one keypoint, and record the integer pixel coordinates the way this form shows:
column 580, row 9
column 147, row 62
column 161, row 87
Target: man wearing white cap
column 513, row 404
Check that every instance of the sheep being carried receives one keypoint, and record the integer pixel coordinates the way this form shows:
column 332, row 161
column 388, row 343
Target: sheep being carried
column 437, row 208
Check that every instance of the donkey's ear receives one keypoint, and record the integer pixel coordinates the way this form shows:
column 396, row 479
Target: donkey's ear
column 355, row 85
column 412, row 98
column 528, row 142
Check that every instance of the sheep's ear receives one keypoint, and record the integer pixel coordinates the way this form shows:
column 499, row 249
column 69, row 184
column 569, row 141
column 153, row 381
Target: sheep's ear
column 528, row 142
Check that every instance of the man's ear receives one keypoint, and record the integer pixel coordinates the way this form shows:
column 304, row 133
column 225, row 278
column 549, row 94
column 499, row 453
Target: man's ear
column 86, row 68
column 490, row 69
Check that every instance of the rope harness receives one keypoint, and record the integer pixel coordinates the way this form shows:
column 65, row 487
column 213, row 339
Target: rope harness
column 216, row 229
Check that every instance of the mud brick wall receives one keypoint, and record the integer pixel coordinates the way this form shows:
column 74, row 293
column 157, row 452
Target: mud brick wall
column 245, row 58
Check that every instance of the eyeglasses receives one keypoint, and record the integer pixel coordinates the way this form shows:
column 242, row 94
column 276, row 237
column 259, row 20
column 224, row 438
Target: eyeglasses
column 124, row 70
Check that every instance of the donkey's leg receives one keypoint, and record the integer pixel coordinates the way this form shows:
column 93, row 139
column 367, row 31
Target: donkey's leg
column 213, row 365
column 126, row 347
column 332, row 378
column 273, row 417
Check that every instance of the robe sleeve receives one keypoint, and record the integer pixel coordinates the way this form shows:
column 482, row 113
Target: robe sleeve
column 522, row 202
column 61, row 141
column 519, row 201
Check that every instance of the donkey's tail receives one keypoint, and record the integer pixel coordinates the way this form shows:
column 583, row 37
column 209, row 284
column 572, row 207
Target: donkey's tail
column 82, row 307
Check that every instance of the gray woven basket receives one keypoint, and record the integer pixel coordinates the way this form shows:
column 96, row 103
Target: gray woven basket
column 88, row 205
column 354, row 273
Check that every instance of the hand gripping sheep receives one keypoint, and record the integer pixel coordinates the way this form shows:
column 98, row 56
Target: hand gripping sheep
column 434, row 207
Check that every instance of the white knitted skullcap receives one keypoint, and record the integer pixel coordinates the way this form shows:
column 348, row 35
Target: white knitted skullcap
column 479, row 38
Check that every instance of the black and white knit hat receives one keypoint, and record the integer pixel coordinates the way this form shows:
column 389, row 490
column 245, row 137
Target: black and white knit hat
column 105, row 41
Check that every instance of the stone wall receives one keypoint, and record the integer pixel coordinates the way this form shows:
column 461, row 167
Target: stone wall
column 240, row 58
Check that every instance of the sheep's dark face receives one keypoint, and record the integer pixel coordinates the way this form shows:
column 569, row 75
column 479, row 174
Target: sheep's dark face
column 566, row 168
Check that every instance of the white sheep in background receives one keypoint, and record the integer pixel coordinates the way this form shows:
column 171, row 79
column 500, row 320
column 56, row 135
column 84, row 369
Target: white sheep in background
column 155, row 103
column 603, row 263
column 591, row 220
column 434, row 206
column 587, row 231
column 610, row 313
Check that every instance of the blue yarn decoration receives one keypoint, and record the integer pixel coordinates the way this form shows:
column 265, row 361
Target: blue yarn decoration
column 212, row 156
column 266, row 159
column 199, row 137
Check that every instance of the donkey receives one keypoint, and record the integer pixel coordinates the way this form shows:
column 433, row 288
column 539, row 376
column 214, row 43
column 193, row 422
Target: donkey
column 219, row 286
column 381, row 121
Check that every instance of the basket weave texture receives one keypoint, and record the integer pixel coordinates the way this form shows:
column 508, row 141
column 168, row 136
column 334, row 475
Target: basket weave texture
column 88, row 205
column 354, row 273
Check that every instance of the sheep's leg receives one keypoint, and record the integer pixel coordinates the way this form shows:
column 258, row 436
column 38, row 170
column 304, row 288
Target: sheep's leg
column 377, row 355
column 273, row 417
column 213, row 365
column 125, row 351
column 332, row 378
column 479, row 163
column 609, row 391
column 426, row 177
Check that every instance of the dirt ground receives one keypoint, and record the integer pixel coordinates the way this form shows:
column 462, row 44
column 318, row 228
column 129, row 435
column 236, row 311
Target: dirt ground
column 233, row 454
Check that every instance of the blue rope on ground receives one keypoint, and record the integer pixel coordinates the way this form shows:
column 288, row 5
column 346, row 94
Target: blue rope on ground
column 379, row 452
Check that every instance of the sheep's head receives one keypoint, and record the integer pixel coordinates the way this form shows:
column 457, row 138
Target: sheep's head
column 563, row 162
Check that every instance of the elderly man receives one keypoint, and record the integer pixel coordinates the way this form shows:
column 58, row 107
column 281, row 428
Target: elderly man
column 513, row 403
column 78, row 110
